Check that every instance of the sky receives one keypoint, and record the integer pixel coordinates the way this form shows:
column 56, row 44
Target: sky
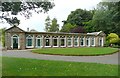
column 61, row 11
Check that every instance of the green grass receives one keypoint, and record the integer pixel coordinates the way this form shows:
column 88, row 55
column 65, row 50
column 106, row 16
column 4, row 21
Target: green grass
column 77, row 51
column 0, row 66
column 33, row 67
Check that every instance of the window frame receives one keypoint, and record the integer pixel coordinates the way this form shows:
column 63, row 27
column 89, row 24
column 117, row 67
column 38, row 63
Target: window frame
column 63, row 37
column 76, row 37
column 53, row 38
column 29, row 37
column 69, row 37
column 45, row 38
column 41, row 41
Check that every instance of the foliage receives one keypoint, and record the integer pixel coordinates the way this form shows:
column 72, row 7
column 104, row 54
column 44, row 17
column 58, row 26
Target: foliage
column 105, row 18
column 25, row 8
column 78, row 17
column 47, row 24
column 112, row 38
column 91, row 51
column 2, row 31
column 34, row 67
column 54, row 27
column 12, row 21
column 67, row 27
column 89, row 27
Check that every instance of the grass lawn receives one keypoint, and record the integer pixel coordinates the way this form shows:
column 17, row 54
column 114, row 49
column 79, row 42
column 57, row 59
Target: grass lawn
column 33, row 67
column 0, row 66
column 77, row 51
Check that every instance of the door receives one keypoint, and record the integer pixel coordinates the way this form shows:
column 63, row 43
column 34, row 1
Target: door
column 15, row 42
column 38, row 43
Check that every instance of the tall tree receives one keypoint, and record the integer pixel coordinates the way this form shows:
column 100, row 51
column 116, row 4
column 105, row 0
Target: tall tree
column 106, row 18
column 24, row 7
column 67, row 27
column 78, row 17
column 54, row 26
column 47, row 24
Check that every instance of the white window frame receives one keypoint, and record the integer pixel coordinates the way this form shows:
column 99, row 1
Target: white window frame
column 48, row 37
column 88, row 38
column 93, row 39
column 12, row 41
column 101, row 44
column 77, row 42
column 83, row 41
column 29, row 37
column 71, row 41
column 53, row 41
column 39, row 37
column 63, row 37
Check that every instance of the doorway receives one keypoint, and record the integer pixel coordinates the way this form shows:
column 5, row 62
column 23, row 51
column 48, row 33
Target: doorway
column 15, row 42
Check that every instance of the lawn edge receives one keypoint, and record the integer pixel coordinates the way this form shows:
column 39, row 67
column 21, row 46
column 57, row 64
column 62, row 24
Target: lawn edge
column 76, row 55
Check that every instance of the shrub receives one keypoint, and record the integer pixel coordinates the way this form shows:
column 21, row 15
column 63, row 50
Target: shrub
column 112, row 38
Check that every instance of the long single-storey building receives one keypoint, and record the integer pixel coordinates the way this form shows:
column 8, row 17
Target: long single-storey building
column 16, row 38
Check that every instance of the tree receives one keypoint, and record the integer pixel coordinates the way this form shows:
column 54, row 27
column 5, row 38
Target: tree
column 113, row 38
column 78, row 17
column 54, row 26
column 2, row 38
column 105, row 18
column 12, row 21
column 67, row 27
column 24, row 8
column 47, row 24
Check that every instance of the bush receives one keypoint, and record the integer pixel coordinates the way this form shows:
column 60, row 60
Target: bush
column 116, row 46
column 106, row 44
column 3, row 37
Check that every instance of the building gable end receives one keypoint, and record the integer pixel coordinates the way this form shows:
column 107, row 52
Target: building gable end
column 14, row 29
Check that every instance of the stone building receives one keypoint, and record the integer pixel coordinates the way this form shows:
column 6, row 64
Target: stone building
column 16, row 38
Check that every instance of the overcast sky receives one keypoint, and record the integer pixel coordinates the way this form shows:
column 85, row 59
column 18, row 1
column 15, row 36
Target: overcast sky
column 61, row 10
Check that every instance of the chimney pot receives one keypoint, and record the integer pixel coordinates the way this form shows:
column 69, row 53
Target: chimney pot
column 28, row 29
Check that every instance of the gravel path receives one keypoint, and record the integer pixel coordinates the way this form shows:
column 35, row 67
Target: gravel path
column 106, row 59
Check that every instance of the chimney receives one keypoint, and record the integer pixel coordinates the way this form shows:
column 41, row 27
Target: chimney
column 27, row 29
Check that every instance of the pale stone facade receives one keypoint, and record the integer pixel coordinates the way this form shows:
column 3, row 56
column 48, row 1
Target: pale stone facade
column 16, row 38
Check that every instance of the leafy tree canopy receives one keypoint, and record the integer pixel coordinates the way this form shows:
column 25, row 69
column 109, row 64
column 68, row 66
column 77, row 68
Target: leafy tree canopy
column 106, row 18
column 12, row 21
column 24, row 7
column 54, row 27
column 67, row 27
column 112, row 38
column 78, row 17
column 47, row 24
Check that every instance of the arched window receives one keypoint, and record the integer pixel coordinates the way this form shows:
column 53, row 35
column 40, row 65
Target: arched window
column 100, row 41
column 38, row 41
column 47, row 41
column 62, row 41
column 92, row 41
column 82, row 41
column 55, row 41
column 69, row 41
column 87, row 41
column 76, row 41
column 29, row 41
